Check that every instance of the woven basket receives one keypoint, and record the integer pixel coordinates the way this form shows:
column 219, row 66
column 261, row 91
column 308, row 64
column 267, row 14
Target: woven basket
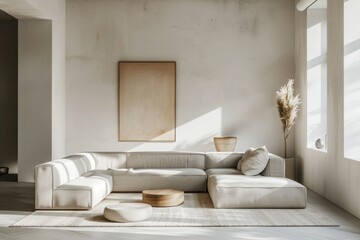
column 225, row 144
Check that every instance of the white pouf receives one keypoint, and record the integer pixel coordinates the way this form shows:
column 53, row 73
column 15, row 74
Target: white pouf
column 128, row 212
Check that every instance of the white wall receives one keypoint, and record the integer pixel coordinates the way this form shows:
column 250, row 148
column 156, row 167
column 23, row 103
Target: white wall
column 55, row 11
column 48, row 142
column 231, row 58
column 329, row 174
column 34, row 96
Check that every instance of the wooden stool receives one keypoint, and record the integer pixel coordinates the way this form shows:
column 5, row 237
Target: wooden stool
column 163, row 198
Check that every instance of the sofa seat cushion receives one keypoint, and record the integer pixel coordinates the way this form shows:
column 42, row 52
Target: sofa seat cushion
column 240, row 191
column 223, row 171
column 137, row 180
column 83, row 192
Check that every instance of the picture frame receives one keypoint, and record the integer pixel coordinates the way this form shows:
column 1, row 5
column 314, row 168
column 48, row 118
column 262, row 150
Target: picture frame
column 147, row 101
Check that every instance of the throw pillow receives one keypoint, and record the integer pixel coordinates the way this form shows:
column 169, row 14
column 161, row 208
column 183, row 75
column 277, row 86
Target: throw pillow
column 246, row 155
column 254, row 161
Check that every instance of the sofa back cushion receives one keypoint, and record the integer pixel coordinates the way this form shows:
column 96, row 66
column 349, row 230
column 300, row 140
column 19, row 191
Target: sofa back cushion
column 108, row 160
column 222, row 159
column 165, row 160
column 71, row 167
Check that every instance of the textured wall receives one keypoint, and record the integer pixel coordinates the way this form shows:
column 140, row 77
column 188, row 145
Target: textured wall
column 8, row 91
column 231, row 58
column 327, row 173
column 55, row 11
column 34, row 96
column 41, row 82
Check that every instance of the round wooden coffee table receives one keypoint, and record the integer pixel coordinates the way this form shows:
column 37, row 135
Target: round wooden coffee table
column 163, row 197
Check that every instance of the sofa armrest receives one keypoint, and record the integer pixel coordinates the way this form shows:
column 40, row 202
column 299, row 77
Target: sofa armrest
column 275, row 167
column 50, row 175
column 43, row 186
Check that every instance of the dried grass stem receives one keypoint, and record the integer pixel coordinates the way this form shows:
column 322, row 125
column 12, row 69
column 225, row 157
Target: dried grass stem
column 288, row 106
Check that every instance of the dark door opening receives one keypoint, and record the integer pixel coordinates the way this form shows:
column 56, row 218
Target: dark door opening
column 8, row 96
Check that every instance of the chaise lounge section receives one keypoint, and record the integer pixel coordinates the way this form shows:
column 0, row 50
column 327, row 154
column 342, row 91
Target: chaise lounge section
column 229, row 188
column 83, row 180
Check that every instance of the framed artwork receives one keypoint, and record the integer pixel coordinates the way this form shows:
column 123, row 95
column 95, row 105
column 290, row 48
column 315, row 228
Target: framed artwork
column 147, row 93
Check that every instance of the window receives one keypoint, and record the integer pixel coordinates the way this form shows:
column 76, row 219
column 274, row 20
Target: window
column 317, row 75
column 352, row 79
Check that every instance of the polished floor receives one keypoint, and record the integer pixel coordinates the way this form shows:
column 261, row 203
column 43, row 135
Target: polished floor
column 17, row 200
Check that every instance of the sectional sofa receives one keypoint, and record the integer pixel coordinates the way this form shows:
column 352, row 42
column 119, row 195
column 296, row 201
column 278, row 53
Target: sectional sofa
column 83, row 180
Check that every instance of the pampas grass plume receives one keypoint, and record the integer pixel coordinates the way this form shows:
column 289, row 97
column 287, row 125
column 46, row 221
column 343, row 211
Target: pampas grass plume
column 288, row 106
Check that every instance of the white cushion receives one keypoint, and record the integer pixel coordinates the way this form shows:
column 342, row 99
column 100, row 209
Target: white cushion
column 166, row 172
column 137, row 180
column 240, row 191
column 109, row 160
column 254, row 161
column 71, row 167
column 165, row 160
column 223, row 171
column 84, row 192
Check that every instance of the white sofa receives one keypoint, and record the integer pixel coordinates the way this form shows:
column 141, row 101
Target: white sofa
column 83, row 180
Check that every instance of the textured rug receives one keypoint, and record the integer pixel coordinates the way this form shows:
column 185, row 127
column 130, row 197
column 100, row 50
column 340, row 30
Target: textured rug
column 197, row 211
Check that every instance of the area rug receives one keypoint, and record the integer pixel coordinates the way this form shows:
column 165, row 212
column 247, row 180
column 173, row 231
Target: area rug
column 197, row 211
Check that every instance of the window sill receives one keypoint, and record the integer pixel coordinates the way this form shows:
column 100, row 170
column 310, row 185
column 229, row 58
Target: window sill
column 317, row 150
column 352, row 158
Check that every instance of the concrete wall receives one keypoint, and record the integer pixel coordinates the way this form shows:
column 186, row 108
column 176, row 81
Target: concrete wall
column 50, row 136
column 327, row 173
column 8, row 91
column 35, row 58
column 231, row 58
column 54, row 10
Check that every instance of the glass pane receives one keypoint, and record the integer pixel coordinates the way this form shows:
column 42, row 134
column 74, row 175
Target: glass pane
column 317, row 75
column 352, row 79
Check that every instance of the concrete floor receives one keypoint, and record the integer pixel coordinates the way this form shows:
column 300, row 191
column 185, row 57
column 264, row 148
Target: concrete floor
column 17, row 201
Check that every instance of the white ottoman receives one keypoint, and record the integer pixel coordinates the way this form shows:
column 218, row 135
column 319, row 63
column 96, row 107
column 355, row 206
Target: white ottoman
column 128, row 212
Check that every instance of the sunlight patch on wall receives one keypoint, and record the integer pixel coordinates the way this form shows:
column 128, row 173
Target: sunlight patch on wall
column 317, row 78
column 352, row 79
column 201, row 131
